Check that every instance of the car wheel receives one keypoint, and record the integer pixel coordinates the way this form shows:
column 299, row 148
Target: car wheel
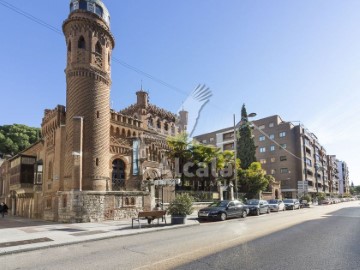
column 258, row 212
column 222, row 216
column 244, row 214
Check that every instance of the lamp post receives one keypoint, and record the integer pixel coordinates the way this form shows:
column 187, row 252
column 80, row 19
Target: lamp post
column 235, row 151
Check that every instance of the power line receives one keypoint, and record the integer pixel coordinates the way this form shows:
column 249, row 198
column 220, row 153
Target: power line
column 124, row 64
column 56, row 30
column 267, row 136
column 30, row 17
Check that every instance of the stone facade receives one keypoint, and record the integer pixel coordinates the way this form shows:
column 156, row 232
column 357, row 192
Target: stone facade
column 93, row 163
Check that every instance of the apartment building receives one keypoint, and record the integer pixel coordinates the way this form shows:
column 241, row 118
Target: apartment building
column 289, row 152
column 343, row 177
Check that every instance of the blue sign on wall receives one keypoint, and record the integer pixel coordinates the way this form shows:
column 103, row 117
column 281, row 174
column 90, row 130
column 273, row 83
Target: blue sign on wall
column 135, row 160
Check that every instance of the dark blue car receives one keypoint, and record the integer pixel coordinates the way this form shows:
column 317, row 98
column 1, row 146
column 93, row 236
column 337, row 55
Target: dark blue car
column 258, row 207
column 224, row 209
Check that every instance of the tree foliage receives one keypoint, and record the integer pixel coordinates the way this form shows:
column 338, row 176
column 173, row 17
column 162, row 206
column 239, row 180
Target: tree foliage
column 206, row 158
column 253, row 180
column 181, row 205
column 246, row 148
column 15, row 138
column 355, row 190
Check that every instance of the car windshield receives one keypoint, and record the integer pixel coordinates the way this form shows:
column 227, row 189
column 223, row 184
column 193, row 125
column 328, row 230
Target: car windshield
column 219, row 204
column 252, row 202
column 288, row 201
column 273, row 201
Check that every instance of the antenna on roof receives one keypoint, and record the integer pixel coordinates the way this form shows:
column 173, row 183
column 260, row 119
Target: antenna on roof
column 141, row 86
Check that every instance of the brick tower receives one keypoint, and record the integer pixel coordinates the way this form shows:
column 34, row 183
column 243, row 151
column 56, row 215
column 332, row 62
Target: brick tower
column 88, row 80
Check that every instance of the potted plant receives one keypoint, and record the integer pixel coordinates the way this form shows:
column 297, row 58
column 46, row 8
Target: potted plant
column 180, row 208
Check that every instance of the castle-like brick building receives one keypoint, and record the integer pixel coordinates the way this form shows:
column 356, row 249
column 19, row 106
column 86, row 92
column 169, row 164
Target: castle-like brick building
column 92, row 163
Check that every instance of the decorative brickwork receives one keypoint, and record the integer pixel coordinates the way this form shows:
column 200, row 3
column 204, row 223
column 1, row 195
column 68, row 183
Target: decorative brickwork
column 93, row 163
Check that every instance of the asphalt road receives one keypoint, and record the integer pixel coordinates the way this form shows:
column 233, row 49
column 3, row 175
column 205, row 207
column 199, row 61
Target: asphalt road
column 323, row 237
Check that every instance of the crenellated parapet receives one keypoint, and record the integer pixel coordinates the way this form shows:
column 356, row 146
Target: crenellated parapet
column 122, row 119
column 52, row 120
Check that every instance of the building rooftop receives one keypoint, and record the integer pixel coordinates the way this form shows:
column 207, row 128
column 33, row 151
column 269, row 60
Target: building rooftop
column 94, row 6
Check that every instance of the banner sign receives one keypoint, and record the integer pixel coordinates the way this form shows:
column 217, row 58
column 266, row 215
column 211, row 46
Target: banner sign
column 135, row 160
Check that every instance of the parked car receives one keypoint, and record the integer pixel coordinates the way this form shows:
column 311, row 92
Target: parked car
column 326, row 201
column 304, row 204
column 222, row 210
column 258, row 207
column 276, row 205
column 292, row 204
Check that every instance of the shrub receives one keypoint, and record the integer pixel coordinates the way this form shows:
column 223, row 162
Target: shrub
column 182, row 205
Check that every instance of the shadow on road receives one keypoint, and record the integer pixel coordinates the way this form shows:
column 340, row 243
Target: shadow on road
column 329, row 242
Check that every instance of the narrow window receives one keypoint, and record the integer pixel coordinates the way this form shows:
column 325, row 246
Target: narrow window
column 81, row 43
column 98, row 48
column 82, row 5
column 97, row 162
column 98, row 114
column 69, row 46
column 99, row 10
column 109, row 59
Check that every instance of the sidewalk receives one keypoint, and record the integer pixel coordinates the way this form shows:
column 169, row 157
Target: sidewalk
column 19, row 234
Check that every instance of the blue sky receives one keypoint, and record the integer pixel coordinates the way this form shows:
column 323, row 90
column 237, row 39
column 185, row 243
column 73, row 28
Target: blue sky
column 297, row 59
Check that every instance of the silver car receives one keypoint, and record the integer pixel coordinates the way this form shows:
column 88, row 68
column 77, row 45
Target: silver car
column 276, row 205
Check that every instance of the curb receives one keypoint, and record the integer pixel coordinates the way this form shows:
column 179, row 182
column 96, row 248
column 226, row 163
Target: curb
column 93, row 240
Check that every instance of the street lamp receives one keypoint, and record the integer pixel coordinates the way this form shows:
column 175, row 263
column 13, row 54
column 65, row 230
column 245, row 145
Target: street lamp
column 235, row 152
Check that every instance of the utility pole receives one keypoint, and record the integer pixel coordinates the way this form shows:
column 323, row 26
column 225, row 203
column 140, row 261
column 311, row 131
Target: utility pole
column 235, row 156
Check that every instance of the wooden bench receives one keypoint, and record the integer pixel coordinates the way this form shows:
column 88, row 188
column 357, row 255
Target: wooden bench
column 150, row 216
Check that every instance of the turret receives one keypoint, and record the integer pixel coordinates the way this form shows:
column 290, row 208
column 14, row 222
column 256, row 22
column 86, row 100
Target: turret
column 88, row 79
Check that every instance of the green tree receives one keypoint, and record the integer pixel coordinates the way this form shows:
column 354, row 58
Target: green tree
column 15, row 138
column 253, row 180
column 246, row 148
column 179, row 151
column 203, row 161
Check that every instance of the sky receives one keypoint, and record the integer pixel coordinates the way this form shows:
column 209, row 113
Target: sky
column 296, row 59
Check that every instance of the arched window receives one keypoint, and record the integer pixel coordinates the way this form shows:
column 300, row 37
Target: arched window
column 166, row 126
column 118, row 174
column 82, row 5
column 81, row 43
column 50, row 171
column 158, row 123
column 150, row 122
column 98, row 48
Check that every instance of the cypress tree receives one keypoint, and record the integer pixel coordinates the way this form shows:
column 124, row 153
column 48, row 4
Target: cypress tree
column 245, row 143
